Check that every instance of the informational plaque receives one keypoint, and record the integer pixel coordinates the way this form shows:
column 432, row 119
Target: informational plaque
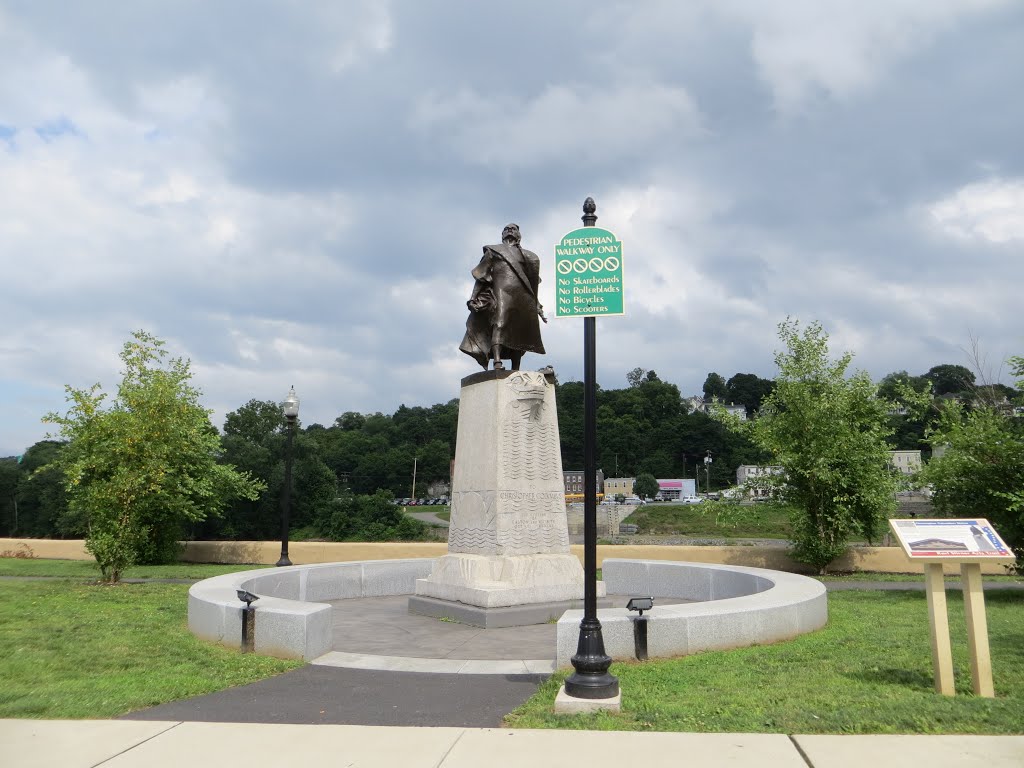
column 968, row 540
column 969, row 543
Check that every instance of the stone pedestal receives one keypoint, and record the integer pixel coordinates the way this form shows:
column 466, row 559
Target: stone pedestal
column 508, row 540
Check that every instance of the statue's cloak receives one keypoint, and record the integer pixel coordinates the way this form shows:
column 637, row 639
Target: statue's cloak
column 504, row 307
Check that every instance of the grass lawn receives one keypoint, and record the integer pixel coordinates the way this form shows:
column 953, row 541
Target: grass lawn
column 868, row 671
column 913, row 577
column 87, row 569
column 74, row 650
column 717, row 519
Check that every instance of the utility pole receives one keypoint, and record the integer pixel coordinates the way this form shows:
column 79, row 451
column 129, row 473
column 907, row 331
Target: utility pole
column 414, row 460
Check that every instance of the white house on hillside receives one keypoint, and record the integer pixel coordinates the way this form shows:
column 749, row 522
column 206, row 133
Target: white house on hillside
column 746, row 473
column 697, row 404
column 905, row 462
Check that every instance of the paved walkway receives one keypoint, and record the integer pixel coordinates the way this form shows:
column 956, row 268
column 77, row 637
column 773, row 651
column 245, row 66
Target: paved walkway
column 319, row 694
column 430, row 518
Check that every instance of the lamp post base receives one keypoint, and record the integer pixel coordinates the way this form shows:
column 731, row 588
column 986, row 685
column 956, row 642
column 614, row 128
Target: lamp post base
column 570, row 705
column 284, row 560
column 591, row 679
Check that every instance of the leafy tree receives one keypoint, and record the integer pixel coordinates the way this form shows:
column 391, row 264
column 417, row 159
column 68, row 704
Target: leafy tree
column 828, row 432
column 749, row 390
column 893, row 384
column 10, row 477
column 255, row 421
column 314, row 485
column 42, row 502
column 143, row 468
column 368, row 518
column 981, row 472
column 254, row 441
column 645, row 486
column 350, row 420
column 569, row 399
column 1017, row 368
column 950, row 379
column 715, row 386
column 635, row 377
column 993, row 395
column 907, row 420
column 658, row 463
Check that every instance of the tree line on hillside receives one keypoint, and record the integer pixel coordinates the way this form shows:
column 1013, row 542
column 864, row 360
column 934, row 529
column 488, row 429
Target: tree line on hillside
column 644, row 428
column 346, row 474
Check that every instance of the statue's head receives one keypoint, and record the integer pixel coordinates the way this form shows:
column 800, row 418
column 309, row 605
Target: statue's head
column 511, row 232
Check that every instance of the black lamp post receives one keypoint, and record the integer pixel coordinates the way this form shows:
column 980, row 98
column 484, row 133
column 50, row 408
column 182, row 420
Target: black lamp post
column 290, row 406
column 707, row 473
column 591, row 679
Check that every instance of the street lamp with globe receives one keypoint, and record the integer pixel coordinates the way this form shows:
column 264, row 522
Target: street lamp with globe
column 290, row 406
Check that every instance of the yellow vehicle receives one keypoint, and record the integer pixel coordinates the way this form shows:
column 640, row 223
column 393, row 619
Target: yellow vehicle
column 574, row 498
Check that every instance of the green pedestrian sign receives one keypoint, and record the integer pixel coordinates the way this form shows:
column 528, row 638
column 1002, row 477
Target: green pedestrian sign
column 588, row 274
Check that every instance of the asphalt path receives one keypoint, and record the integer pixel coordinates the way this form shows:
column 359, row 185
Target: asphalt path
column 318, row 694
column 426, row 517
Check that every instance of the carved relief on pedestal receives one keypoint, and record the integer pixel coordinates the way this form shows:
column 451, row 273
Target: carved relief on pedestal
column 473, row 525
column 530, row 451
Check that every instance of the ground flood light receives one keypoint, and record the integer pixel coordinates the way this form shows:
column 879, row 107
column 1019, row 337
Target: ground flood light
column 248, row 620
column 640, row 604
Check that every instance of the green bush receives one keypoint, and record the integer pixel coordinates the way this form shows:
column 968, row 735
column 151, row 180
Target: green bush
column 352, row 517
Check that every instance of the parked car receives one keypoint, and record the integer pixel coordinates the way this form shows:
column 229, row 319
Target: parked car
column 691, row 500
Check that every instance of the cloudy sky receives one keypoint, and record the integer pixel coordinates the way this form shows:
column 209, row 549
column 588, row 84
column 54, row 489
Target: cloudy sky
column 294, row 193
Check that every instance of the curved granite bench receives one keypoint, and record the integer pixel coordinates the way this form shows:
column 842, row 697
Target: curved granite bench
column 290, row 622
column 735, row 606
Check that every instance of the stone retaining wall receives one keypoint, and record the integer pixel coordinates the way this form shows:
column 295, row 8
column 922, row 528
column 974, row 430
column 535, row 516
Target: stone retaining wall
column 290, row 623
column 869, row 559
column 736, row 607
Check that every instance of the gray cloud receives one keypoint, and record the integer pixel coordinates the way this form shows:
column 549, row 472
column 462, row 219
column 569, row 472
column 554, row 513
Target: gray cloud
column 296, row 194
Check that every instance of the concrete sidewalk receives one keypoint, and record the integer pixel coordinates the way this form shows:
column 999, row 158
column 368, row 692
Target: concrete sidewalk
column 125, row 744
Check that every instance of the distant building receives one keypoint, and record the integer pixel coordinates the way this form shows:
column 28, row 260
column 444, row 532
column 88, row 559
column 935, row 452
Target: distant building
column 905, row 462
column 667, row 489
column 613, row 486
column 698, row 404
column 573, row 480
column 676, row 489
column 746, row 473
